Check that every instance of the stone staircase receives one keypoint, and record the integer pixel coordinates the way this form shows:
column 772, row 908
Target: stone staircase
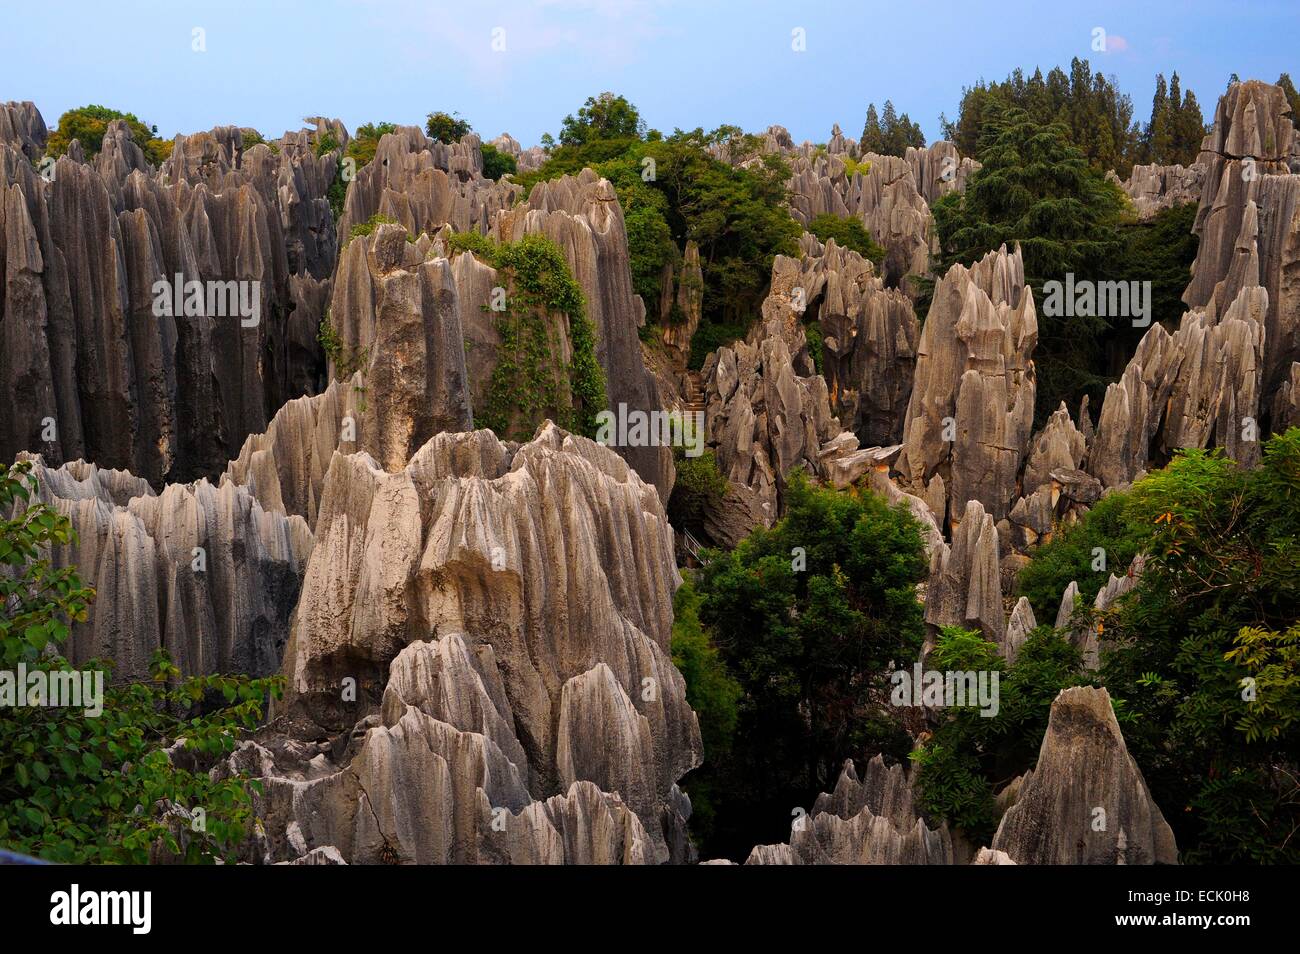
column 693, row 399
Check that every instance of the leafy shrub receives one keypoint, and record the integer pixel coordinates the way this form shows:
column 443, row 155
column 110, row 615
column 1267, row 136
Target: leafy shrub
column 446, row 128
column 88, row 124
column 699, row 486
column 848, row 233
column 78, row 787
column 497, row 163
column 362, row 146
column 1072, row 552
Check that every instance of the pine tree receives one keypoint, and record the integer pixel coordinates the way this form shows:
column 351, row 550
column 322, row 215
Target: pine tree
column 1292, row 96
column 1189, row 127
column 873, row 139
column 889, row 128
column 1159, row 136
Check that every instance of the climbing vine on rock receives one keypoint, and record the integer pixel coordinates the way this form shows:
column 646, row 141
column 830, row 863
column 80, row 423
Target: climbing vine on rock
column 531, row 375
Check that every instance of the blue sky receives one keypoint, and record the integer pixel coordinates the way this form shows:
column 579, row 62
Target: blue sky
column 687, row 64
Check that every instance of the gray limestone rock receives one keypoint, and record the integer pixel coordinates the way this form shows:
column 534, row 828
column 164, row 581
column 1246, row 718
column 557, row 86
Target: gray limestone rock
column 1086, row 801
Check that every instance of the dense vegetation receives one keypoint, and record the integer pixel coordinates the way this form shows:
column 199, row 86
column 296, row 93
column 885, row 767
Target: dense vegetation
column 79, row 786
column 890, row 134
column 530, row 381
column 805, row 618
column 1202, row 659
column 87, row 125
column 848, row 233
column 673, row 190
column 1036, row 188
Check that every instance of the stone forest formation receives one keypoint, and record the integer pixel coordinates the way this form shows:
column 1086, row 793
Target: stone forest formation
column 656, row 498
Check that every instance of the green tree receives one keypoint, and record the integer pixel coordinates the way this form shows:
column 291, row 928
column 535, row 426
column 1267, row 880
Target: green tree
column 606, row 116
column 1037, row 189
column 807, row 617
column 1218, row 603
column 446, row 127
column 873, row 136
column 1292, row 96
column 88, row 124
column 497, row 163
column 1097, row 116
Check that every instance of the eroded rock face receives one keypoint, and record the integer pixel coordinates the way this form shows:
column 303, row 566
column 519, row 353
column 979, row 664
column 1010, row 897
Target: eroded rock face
column 526, row 160
column 870, row 336
column 869, row 821
column 23, row 127
column 1084, row 774
column 1199, row 387
column 1154, row 188
column 202, row 571
column 681, row 306
column 972, row 404
column 884, row 196
column 762, row 418
column 512, row 601
column 424, row 184
column 581, row 214
column 1249, row 219
column 89, row 368
column 965, row 587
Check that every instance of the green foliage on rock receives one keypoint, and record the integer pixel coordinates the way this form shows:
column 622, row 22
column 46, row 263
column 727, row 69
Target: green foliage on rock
column 530, row 377
column 848, row 233
column 672, row 190
column 88, row 124
column 447, row 128
column 362, row 145
column 80, row 786
column 807, row 617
